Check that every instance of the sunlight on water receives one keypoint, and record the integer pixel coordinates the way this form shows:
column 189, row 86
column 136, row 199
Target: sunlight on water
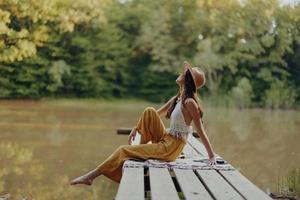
column 43, row 145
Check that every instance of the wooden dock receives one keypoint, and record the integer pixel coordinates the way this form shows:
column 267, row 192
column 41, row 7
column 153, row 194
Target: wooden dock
column 189, row 177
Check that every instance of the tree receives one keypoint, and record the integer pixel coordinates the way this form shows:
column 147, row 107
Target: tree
column 26, row 25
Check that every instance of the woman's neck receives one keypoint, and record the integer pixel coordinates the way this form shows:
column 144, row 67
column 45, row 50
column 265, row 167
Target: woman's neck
column 181, row 94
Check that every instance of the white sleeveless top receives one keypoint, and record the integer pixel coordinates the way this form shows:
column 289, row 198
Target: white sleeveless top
column 178, row 127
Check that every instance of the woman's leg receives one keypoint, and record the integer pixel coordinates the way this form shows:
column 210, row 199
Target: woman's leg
column 168, row 149
column 112, row 166
column 150, row 126
column 87, row 178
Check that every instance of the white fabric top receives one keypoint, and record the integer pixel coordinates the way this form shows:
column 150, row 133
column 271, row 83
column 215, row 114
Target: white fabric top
column 178, row 127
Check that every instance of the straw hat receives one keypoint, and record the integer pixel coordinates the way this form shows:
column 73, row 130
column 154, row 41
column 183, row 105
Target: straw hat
column 197, row 74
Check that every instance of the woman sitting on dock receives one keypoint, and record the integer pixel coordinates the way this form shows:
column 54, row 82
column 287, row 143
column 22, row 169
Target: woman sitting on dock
column 166, row 144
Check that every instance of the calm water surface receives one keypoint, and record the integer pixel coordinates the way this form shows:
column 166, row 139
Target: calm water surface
column 44, row 144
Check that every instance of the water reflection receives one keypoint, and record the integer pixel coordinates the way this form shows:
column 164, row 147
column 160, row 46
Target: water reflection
column 43, row 145
column 56, row 136
column 263, row 144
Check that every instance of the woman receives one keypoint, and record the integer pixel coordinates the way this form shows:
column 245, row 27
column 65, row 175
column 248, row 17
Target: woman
column 166, row 144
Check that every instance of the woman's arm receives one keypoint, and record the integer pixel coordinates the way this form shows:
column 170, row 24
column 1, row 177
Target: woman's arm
column 162, row 111
column 192, row 107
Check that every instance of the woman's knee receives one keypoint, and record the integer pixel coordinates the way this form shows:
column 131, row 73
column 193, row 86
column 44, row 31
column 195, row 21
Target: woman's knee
column 150, row 109
column 121, row 148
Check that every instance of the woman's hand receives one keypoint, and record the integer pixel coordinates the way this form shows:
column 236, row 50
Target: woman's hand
column 132, row 135
column 212, row 160
column 186, row 64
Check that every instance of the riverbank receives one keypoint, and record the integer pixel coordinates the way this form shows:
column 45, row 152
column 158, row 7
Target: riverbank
column 206, row 101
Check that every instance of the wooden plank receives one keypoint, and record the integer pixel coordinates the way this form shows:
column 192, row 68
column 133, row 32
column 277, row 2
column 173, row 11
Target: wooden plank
column 189, row 151
column 190, row 185
column 197, row 145
column 132, row 184
column 244, row 186
column 123, row 131
column 161, row 184
column 194, row 142
column 218, row 186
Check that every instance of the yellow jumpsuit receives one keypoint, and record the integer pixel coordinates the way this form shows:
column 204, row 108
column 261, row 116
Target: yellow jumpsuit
column 163, row 147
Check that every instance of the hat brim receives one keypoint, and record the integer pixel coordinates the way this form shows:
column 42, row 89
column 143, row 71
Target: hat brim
column 188, row 66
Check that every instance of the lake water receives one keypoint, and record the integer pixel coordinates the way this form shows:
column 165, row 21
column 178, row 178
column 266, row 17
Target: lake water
column 44, row 144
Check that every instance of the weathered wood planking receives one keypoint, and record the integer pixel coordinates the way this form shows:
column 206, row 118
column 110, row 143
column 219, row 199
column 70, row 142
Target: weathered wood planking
column 239, row 181
column 244, row 186
column 190, row 185
column 189, row 151
column 198, row 146
column 207, row 184
column 218, row 186
column 161, row 184
column 132, row 184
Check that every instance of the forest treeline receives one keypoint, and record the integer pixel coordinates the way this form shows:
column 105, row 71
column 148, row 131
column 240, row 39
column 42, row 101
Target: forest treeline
column 249, row 50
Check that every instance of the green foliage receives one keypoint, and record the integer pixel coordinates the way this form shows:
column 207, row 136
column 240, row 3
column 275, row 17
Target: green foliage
column 280, row 95
column 242, row 93
column 136, row 48
column 26, row 25
column 158, row 86
column 24, row 79
column 294, row 68
column 56, row 72
column 289, row 184
column 293, row 181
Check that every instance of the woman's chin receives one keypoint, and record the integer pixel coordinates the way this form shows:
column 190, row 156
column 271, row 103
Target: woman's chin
column 178, row 83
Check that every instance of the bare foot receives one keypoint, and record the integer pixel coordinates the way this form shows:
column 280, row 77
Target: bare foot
column 81, row 180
